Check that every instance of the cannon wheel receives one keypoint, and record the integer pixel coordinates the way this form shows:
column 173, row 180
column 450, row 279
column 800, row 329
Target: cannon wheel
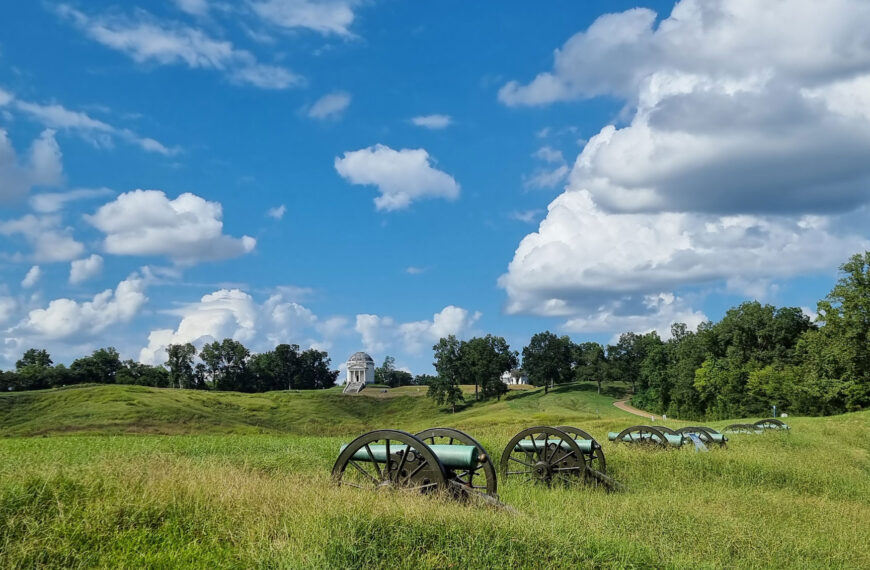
column 413, row 468
column 704, row 433
column 641, row 430
column 667, row 430
column 596, row 459
column 555, row 457
column 472, row 478
column 770, row 423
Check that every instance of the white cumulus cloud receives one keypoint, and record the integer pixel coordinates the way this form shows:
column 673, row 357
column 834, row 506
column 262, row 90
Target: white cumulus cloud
column 67, row 319
column 277, row 212
column 50, row 240
column 742, row 162
column 381, row 333
column 187, row 229
column 233, row 313
column 402, row 176
column 83, row 269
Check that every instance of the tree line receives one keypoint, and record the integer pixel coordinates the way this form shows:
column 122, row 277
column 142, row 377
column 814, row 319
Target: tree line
column 221, row 365
column 756, row 357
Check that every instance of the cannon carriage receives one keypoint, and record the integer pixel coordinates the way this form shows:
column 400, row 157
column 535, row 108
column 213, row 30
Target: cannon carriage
column 437, row 460
column 659, row 436
column 555, row 455
column 757, row 427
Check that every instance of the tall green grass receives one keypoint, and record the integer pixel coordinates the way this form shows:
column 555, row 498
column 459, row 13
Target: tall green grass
column 776, row 500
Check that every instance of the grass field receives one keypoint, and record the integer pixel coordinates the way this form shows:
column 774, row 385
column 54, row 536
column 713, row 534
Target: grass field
column 243, row 481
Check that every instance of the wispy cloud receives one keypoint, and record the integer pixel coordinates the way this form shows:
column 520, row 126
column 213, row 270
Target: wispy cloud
column 144, row 38
column 434, row 122
column 330, row 106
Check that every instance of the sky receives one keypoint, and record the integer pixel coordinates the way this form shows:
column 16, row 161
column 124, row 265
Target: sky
column 376, row 174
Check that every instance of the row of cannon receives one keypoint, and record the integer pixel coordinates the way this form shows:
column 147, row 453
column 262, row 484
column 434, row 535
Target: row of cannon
column 446, row 459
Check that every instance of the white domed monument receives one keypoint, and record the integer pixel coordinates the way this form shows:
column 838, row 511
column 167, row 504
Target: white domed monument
column 360, row 371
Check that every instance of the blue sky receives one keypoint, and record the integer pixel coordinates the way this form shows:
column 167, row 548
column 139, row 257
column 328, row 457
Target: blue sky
column 375, row 174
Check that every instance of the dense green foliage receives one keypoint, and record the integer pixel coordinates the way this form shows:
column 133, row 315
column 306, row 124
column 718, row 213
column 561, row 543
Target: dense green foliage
column 241, row 498
column 227, row 365
column 479, row 361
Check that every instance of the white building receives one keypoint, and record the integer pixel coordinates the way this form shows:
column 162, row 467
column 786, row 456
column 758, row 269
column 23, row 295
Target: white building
column 514, row 377
column 360, row 369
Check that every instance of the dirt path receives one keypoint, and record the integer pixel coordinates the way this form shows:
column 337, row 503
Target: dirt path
column 626, row 407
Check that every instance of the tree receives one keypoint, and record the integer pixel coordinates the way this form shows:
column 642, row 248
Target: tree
column 547, row 360
column 34, row 357
column 227, row 364
column 132, row 372
column 590, row 363
column 448, row 362
column 100, row 367
column 33, row 372
column 484, row 359
column 841, row 349
column 287, row 365
column 180, row 362
column 383, row 372
column 445, row 392
column 314, row 372
column 424, row 379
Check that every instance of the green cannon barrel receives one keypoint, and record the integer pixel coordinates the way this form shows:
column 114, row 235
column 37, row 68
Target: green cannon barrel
column 451, row 456
column 530, row 446
column 672, row 440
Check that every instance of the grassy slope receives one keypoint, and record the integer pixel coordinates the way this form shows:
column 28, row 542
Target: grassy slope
column 237, row 499
column 138, row 409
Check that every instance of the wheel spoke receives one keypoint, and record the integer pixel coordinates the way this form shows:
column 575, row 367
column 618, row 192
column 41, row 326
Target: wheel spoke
column 564, row 457
column 402, row 463
column 519, row 472
column 512, row 458
column 415, row 471
column 372, row 457
column 363, row 471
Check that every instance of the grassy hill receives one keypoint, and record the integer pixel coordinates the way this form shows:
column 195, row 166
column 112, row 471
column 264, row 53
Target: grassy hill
column 114, row 409
column 242, row 481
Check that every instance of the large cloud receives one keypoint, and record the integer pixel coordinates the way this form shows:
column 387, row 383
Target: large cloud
column 744, row 156
column 233, row 313
column 582, row 256
column 734, row 111
column 187, row 229
column 402, row 176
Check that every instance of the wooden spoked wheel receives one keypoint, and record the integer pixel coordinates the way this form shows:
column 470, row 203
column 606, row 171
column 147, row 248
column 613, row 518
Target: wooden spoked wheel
column 643, row 435
column 543, row 455
column 667, row 430
column 389, row 459
column 480, row 478
column 595, row 459
column 771, row 423
column 741, row 428
column 705, row 434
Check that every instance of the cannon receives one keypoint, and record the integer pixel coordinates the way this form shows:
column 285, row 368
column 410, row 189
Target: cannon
column 434, row 460
column 757, row 427
column 555, row 455
column 742, row 428
column 771, row 423
column 659, row 436
column 705, row 434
